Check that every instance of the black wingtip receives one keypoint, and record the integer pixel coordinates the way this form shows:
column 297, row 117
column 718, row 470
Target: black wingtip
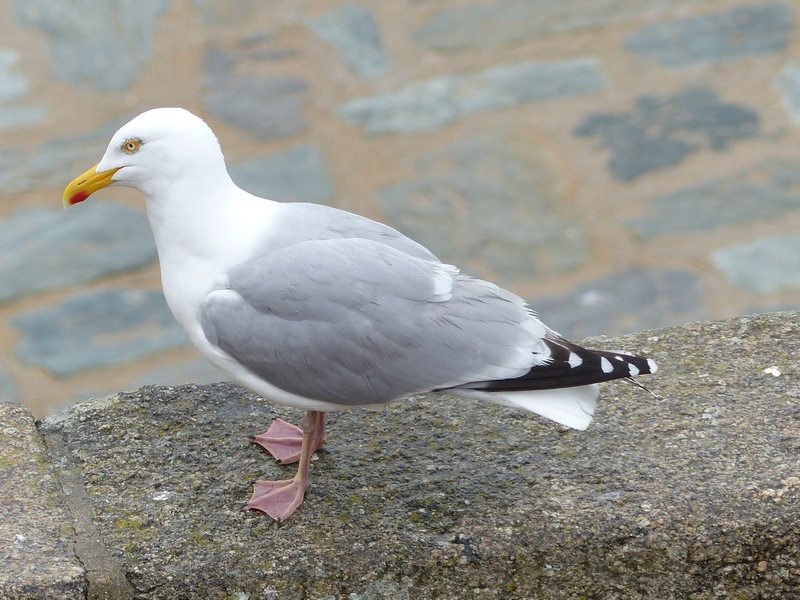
column 571, row 365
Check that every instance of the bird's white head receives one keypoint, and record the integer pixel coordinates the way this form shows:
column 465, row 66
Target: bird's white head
column 152, row 152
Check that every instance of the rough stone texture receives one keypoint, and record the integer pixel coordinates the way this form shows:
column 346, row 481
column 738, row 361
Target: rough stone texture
column 353, row 31
column 299, row 174
column 36, row 558
column 767, row 191
column 102, row 45
column 740, row 32
column 434, row 103
column 766, row 265
column 96, row 329
column 695, row 494
column 625, row 301
column 534, row 235
column 661, row 132
column 69, row 248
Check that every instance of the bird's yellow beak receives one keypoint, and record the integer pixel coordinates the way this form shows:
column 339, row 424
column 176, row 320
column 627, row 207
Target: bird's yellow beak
column 87, row 184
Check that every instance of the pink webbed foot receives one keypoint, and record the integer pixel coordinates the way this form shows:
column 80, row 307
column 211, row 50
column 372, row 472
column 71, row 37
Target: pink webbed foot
column 283, row 440
column 279, row 499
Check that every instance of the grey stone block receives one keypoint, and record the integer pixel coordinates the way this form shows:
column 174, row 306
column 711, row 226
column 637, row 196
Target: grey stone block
column 13, row 85
column 736, row 33
column 299, row 174
column 430, row 104
column 269, row 107
column 13, row 89
column 97, row 329
column 354, row 33
column 625, row 301
column 502, row 22
column 767, row 265
column 491, row 205
column 788, row 82
column 8, row 391
column 659, row 133
column 52, row 163
column 71, row 247
column 692, row 494
column 766, row 191
column 102, row 45
column 36, row 556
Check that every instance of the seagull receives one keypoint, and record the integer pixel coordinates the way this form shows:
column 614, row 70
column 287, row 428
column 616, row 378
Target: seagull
column 325, row 310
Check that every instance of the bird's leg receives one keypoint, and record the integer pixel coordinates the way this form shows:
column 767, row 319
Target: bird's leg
column 284, row 441
column 279, row 499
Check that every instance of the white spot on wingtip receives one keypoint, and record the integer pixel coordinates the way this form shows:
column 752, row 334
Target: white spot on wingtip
column 632, row 370
column 652, row 364
column 606, row 365
column 574, row 360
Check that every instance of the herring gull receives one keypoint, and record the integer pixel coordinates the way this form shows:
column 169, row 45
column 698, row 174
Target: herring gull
column 325, row 310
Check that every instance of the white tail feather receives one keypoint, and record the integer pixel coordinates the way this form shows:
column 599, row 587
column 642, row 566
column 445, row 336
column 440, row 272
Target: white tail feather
column 571, row 406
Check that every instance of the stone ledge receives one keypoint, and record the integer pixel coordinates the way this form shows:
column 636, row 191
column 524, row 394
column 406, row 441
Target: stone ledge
column 36, row 557
column 694, row 495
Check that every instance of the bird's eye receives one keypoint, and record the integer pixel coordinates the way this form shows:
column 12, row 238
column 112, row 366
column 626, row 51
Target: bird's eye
column 131, row 146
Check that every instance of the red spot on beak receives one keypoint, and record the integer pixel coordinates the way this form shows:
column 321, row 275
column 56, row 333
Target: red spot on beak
column 78, row 197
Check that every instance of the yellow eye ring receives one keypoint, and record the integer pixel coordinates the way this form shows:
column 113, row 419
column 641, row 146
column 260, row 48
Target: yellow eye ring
column 131, row 146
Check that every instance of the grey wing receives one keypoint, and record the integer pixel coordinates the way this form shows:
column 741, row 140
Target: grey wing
column 356, row 322
column 303, row 222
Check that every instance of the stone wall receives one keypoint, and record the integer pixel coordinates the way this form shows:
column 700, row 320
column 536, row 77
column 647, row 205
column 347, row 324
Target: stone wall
column 622, row 164
column 694, row 495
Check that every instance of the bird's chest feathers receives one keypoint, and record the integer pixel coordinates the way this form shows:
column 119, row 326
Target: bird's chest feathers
column 197, row 248
column 192, row 265
column 186, row 285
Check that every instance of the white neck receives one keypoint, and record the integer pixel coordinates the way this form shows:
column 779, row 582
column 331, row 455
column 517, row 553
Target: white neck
column 201, row 228
column 196, row 217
